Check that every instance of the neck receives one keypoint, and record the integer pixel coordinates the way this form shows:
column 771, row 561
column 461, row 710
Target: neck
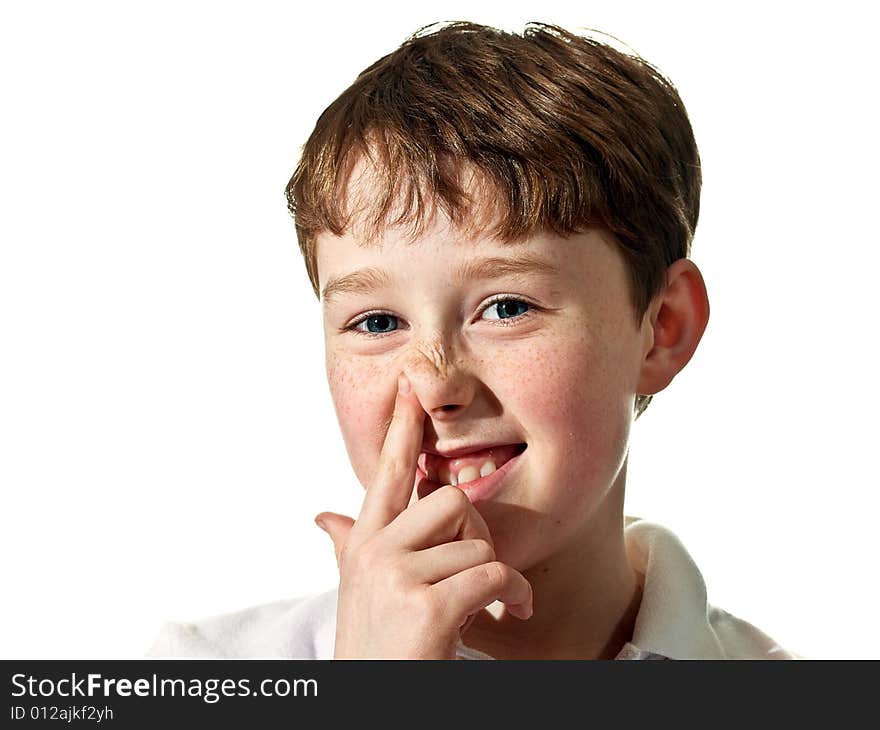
column 586, row 598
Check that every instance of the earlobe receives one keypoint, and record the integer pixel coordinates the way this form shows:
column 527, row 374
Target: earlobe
column 676, row 322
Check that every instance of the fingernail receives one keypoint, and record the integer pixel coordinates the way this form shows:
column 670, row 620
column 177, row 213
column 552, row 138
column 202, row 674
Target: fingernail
column 320, row 523
column 403, row 384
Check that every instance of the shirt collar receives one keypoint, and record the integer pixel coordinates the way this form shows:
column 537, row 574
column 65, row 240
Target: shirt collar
column 673, row 617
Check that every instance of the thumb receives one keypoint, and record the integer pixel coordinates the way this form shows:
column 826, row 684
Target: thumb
column 338, row 527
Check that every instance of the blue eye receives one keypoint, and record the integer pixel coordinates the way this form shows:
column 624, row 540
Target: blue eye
column 378, row 319
column 509, row 310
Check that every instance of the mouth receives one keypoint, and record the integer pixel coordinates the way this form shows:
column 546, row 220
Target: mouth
column 478, row 474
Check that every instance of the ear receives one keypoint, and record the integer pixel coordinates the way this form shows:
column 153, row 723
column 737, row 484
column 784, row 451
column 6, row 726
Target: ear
column 673, row 326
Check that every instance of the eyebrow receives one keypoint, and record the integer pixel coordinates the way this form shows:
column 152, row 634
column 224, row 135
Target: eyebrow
column 365, row 281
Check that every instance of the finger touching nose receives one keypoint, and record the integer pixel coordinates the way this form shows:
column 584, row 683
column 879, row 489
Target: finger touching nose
column 391, row 489
column 443, row 386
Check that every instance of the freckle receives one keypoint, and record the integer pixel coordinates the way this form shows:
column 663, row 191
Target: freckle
column 546, row 570
column 558, row 522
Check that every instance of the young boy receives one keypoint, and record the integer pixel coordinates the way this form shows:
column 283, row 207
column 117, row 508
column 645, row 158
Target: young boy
column 498, row 227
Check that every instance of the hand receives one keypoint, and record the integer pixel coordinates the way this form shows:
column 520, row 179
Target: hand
column 412, row 576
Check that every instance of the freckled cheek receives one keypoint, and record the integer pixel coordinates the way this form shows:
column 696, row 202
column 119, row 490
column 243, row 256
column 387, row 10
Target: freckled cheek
column 568, row 402
column 360, row 396
column 545, row 385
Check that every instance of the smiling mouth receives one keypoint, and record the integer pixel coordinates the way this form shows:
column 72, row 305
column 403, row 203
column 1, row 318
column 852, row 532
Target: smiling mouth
column 463, row 469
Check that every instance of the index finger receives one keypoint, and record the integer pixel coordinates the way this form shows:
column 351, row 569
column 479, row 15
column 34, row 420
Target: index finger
column 390, row 491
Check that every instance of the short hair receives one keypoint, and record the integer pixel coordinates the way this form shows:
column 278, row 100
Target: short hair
column 565, row 131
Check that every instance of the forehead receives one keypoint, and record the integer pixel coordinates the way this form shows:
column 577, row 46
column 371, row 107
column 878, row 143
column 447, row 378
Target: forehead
column 412, row 227
column 585, row 265
column 385, row 271
column 368, row 256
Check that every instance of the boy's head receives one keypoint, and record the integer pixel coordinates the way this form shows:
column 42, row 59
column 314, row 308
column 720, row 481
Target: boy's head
column 571, row 162
column 566, row 132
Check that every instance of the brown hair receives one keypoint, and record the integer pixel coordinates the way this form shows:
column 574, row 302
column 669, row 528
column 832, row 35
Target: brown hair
column 568, row 131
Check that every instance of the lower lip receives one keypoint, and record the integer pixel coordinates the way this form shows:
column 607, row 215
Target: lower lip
column 484, row 488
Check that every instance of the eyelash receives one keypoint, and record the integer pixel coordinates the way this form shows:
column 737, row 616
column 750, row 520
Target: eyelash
column 507, row 322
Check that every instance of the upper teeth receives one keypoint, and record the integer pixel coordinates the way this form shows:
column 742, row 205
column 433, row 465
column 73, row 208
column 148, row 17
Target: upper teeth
column 466, row 473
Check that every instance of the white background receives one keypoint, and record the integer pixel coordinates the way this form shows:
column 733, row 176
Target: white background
column 166, row 432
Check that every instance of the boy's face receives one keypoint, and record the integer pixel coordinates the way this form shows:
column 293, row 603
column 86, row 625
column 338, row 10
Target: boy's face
column 554, row 366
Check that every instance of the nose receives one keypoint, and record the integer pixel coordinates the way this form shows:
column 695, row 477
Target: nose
column 443, row 382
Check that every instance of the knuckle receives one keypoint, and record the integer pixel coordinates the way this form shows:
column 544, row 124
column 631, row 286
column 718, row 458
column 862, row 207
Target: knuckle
column 419, row 605
column 495, row 573
column 430, row 606
column 392, row 465
column 485, row 553
column 397, row 580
